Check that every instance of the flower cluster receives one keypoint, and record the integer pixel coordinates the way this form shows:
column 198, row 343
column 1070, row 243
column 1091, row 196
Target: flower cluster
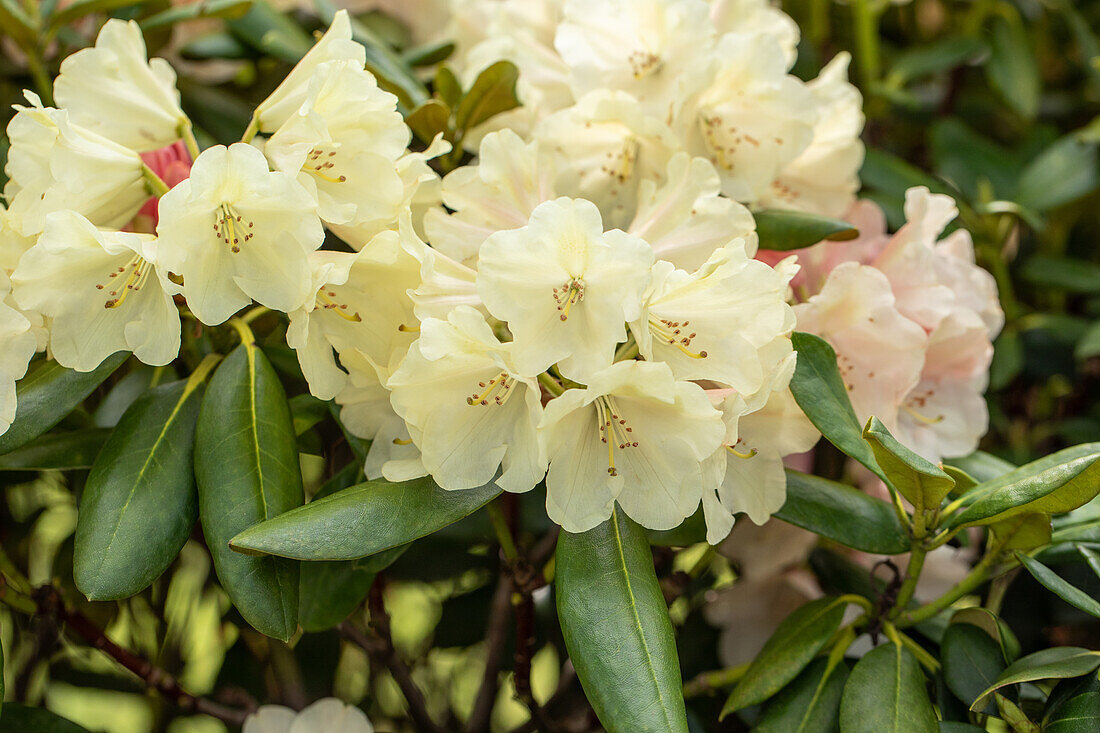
column 912, row 320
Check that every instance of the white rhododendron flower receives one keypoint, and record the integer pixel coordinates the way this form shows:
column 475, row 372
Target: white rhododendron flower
column 328, row 715
column 757, row 17
column 471, row 410
column 55, row 165
column 564, row 286
column 343, row 144
column 114, row 89
column 360, row 304
column 115, row 297
column 236, row 232
column 656, row 50
column 634, row 436
column 17, row 346
column 287, row 99
column 710, row 324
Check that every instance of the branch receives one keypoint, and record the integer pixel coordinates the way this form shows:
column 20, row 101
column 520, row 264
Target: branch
column 495, row 639
column 379, row 646
column 51, row 605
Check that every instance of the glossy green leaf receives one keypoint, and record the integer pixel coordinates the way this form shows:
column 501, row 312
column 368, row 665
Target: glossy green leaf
column 74, row 449
column 1065, row 690
column 810, row 704
column 616, row 628
column 1056, row 663
column 971, row 659
column 429, row 54
column 268, row 31
column 215, row 45
column 949, row 726
column 994, row 627
column 429, row 119
column 79, row 8
column 49, row 393
column 15, row 23
column 19, row 718
column 820, row 392
column 921, row 482
column 691, row 531
column 783, row 230
column 1011, row 713
column 362, row 520
column 1022, row 532
column 246, row 469
column 932, row 58
column 1092, row 558
column 306, row 411
column 1062, row 173
column 493, row 92
column 127, row 389
column 1088, row 345
column 331, row 589
column 1056, row 483
column 1080, row 714
column 1012, row 69
column 1062, row 273
column 139, row 503
column 447, row 86
column 885, row 693
column 793, row 645
column 982, row 466
column 205, row 9
column 1060, row 587
column 843, row 514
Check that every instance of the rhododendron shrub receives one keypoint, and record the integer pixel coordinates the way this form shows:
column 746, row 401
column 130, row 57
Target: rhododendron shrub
column 534, row 365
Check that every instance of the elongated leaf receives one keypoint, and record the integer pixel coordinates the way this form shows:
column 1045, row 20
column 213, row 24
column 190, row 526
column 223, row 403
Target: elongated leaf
column 1049, row 664
column 362, row 520
column 1080, row 714
column 922, row 483
column 205, row 9
column 843, row 514
column 1066, row 690
column 1012, row 68
column 15, row 22
column 332, row 589
column 935, row 57
column 269, row 31
column 78, row 9
column 1060, row 587
column 1056, row 483
column 885, row 693
column 429, row 119
column 246, row 469
column 617, row 630
column 994, row 627
column 123, row 393
column 972, row 660
column 820, row 392
column 493, row 92
column 23, row 719
column 982, row 466
column 949, row 726
column 48, row 394
column 1065, row 171
column 139, row 504
column 810, row 704
column 65, row 451
column 784, row 230
column 793, row 645
column 1011, row 713
column 1022, row 532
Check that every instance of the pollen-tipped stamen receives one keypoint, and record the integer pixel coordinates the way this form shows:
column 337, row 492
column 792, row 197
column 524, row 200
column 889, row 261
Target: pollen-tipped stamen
column 673, row 333
column 325, row 301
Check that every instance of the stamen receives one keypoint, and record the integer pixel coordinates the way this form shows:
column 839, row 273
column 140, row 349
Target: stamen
column 613, row 430
column 499, row 389
column 922, row 418
column 139, row 271
column 232, row 228
column 325, row 300
column 400, row 441
column 644, row 63
column 319, row 161
column 750, row 454
column 672, row 333
column 567, row 295
column 408, row 329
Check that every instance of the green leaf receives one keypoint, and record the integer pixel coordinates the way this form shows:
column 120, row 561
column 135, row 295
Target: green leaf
column 268, row 31
column 1012, row 69
column 1080, row 714
column 1011, row 713
column 616, row 628
column 820, row 392
column 493, row 92
column 19, row 718
column 933, row 58
column 918, row 480
column 843, row 514
column 1088, row 345
column 1062, row 173
column 1056, row 663
column 1062, row 273
column 331, row 590
column 68, row 450
column 203, row 9
column 429, row 54
column 947, row 726
column 216, row 45
column 127, row 389
column 139, row 503
column 306, row 411
column 15, row 22
column 429, row 119
column 1022, row 532
column 246, row 469
column 982, row 466
column 80, row 8
column 886, row 694
column 1054, row 484
column 810, row 704
column 783, row 230
column 691, row 531
column 994, row 627
column 362, row 520
column 447, row 86
column 793, row 646
column 972, row 660
column 1059, row 587
column 1091, row 557
column 49, row 393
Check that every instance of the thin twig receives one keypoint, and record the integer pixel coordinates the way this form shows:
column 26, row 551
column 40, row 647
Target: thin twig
column 495, row 640
column 51, row 605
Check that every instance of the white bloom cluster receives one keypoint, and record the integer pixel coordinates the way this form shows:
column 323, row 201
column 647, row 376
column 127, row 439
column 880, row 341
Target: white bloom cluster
column 328, row 715
column 632, row 81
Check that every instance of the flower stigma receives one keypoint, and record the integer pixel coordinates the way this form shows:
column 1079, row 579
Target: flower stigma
column 613, row 430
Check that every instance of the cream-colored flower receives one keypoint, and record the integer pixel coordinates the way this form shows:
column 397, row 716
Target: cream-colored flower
column 635, row 436
column 17, row 346
column 113, row 296
column 238, row 232
column 757, row 17
column 287, row 99
column 472, row 412
column 565, row 287
column 115, row 90
column 329, row 715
